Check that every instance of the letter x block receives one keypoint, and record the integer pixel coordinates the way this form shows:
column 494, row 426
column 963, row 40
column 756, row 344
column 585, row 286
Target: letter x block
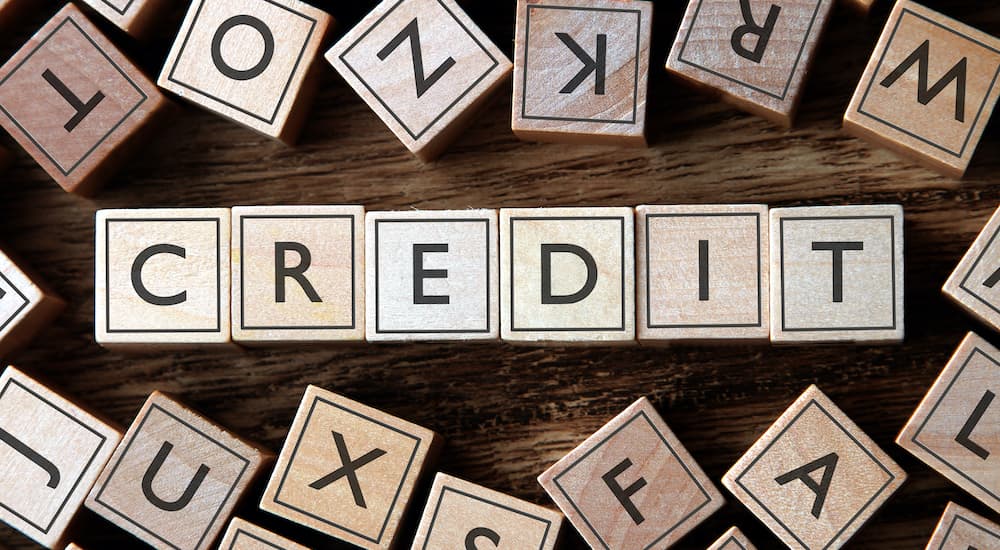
column 733, row 539
column 929, row 89
column 973, row 284
column 348, row 470
column 960, row 529
column 632, row 484
column 243, row 535
column 814, row 478
column 26, row 305
column 135, row 17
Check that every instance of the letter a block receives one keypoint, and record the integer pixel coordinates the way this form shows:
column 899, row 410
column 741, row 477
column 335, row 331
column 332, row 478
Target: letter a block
column 960, row 529
column 632, row 484
column 973, row 284
column 135, row 17
column 929, row 89
column 733, row 539
column 26, row 306
column 243, row 535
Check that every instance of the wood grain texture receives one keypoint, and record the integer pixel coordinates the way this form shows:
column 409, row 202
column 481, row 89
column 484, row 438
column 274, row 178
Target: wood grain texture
column 733, row 539
column 137, row 18
column 972, row 285
column 243, row 535
column 962, row 529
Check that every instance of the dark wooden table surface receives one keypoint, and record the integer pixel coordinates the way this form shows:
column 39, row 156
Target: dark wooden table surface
column 508, row 412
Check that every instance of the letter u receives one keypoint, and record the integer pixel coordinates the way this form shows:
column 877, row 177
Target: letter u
column 154, row 469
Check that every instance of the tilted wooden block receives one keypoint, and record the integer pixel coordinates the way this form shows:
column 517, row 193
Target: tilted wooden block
column 135, row 17
column 348, row 470
column 814, row 478
column 973, row 284
column 632, row 484
column 961, row 529
column 733, row 539
column 567, row 274
column 424, row 67
column 298, row 273
column 702, row 272
column 26, row 305
column 580, row 71
column 75, row 103
column 176, row 477
column 929, row 89
column 837, row 274
column 433, row 275
column 243, row 535
column 51, row 452
column 252, row 61
column 460, row 514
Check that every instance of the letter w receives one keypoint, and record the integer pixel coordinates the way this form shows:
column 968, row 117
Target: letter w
column 921, row 56
column 412, row 33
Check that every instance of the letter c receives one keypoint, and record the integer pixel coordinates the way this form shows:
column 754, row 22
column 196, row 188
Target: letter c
column 140, row 287
column 481, row 533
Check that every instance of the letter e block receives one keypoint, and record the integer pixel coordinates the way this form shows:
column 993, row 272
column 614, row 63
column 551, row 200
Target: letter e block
column 961, row 529
column 243, row 535
column 26, row 305
column 733, row 539
column 135, row 17
column 973, row 284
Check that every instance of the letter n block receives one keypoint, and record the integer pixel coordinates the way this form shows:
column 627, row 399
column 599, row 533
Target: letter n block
column 26, row 305
column 962, row 529
column 928, row 90
column 243, row 535
column 135, row 17
column 973, row 284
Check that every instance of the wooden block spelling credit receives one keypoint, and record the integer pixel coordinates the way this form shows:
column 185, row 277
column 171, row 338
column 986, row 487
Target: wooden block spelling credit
column 243, row 535
column 961, row 529
column 176, row 477
column 75, row 103
column 424, row 67
column 632, row 484
column 929, row 88
column 51, row 452
column 135, row 17
column 814, row 478
column 580, row 71
column 348, row 470
column 26, row 305
column 733, row 539
column 973, row 284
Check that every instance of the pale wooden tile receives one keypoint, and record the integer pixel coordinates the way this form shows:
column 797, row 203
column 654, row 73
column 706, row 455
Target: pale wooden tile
column 962, row 529
column 27, row 305
column 733, row 539
column 973, row 283
column 243, row 535
column 136, row 17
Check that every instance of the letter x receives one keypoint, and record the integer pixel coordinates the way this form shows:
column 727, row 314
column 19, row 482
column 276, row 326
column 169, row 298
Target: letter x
column 349, row 469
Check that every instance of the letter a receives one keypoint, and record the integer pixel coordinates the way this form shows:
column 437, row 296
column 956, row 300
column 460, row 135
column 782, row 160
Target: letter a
column 828, row 464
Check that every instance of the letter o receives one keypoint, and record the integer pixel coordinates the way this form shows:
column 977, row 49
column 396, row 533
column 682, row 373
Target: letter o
column 265, row 59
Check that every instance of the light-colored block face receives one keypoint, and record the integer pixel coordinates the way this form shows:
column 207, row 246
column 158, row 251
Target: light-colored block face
column 298, row 273
column 25, row 306
column 135, row 17
column 814, row 478
column 960, row 529
column 348, row 470
column 929, row 88
column 243, row 535
column 837, row 274
column 733, row 539
column 973, row 284
column 581, row 68
column 51, row 452
column 632, row 484
column 433, row 275
column 702, row 272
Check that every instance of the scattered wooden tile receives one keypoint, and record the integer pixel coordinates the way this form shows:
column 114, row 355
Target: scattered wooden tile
column 929, row 89
column 580, row 71
column 632, row 484
column 51, row 452
column 176, row 477
column 962, row 529
column 27, row 305
column 135, row 17
column 733, row 539
column 837, row 274
column 702, row 272
column 973, row 284
column 814, row 478
column 432, row 275
column 243, row 535
column 348, row 470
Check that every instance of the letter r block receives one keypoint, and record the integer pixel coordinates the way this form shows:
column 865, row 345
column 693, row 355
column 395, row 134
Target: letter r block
column 973, row 283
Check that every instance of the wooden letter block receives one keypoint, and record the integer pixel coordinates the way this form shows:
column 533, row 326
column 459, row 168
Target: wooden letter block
column 960, row 529
column 973, row 284
column 837, row 274
column 176, row 477
column 348, row 470
column 243, row 535
column 252, row 61
column 26, row 306
column 162, row 277
column 298, row 273
column 754, row 53
column 929, row 88
column 733, row 539
column 75, row 103
column 567, row 274
column 135, row 17
column 702, row 272
column 433, row 275
column 632, row 484
column 814, row 478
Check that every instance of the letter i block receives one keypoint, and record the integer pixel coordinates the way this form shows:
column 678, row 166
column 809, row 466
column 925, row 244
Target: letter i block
column 973, row 284
column 75, row 103
column 733, row 539
column 51, row 452
column 243, row 535
column 135, row 17
column 26, row 306
column 961, row 529
column 929, row 89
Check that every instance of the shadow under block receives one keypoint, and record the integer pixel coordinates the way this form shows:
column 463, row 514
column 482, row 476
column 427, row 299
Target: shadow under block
column 632, row 484
column 702, row 272
column 432, row 275
column 580, row 71
column 243, row 535
column 973, row 284
column 348, row 470
column 424, row 67
column 960, row 529
column 837, row 274
column 26, row 306
column 51, row 452
column 814, row 478
column 136, row 17
column 929, row 89
column 75, row 103
column 733, row 539
column 298, row 274
column 253, row 62
column 162, row 277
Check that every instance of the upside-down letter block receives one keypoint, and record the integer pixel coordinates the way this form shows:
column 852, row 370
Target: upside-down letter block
column 348, row 470
column 929, row 88
column 298, row 273
column 733, row 539
column 460, row 514
column 567, row 274
column 176, row 477
column 837, row 274
column 75, row 103
column 135, row 17
column 632, row 484
column 51, row 452
column 243, row 535
column 960, row 529
column 814, row 478
column 162, row 277
column 580, row 71
column 252, row 61
column 432, row 275
column 973, row 284
column 26, row 305
column 702, row 272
